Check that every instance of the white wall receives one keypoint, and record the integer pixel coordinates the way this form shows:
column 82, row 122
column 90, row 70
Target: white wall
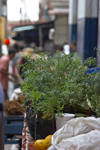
column 61, row 30
column 87, row 8
column 73, row 4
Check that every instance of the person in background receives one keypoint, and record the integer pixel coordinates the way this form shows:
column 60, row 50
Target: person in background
column 11, row 84
column 1, row 116
column 14, row 61
column 21, row 60
column 73, row 46
column 17, row 54
column 4, row 71
column 60, row 51
column 74, row 54
column 66, row 48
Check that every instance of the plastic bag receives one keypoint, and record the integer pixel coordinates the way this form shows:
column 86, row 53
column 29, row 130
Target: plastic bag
column 15, row 147
column 88, row 141
column 75, row 130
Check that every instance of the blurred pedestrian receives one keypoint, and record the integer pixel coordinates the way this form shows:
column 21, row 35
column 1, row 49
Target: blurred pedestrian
column 17, row 54
column 14, row 62
column 18, row 69
column 73, row 46
column 4, row 71
column 66, row 48
column 74, row 54
column 59, row 51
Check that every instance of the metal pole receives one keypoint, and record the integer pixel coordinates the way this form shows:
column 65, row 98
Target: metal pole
column 40, row 36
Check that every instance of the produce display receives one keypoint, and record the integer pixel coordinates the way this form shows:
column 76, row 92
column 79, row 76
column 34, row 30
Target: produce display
column 13, row 108
column 43, row 144
column 59, row 85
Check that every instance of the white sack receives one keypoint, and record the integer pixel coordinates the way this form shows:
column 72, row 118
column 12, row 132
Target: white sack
column 88, row 141
column 73, row 127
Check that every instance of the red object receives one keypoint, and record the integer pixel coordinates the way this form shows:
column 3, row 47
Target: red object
column 7, row 41
column 29, row 104
column 54, row 126
column 31, row 145
column 41, row 116
column 89, row 112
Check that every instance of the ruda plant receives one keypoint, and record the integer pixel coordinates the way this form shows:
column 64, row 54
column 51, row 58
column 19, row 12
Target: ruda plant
column 50, row 84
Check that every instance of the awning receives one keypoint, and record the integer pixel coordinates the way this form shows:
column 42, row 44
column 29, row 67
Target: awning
column 23, row 28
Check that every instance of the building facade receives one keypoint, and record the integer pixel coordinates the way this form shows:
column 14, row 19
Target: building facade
column 3, row 20
column 57, row 10
column 84, row 27
column 60, row 11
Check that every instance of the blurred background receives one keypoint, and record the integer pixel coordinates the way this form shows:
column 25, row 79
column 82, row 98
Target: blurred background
column 52, row 24
column 49, row 24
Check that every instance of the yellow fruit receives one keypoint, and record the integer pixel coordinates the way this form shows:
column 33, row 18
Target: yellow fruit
column 43, row 144
column 48, row 140
column 40, row 144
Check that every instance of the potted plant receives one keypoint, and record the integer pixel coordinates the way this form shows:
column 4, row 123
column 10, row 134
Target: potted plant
column 46, row 82
column 53, row 84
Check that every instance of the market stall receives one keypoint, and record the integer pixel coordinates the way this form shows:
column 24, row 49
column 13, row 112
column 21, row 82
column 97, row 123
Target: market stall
column 54, row 87
column 13, row 119
column 77, row 133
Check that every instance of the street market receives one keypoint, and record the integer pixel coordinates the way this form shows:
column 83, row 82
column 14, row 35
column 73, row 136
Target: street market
column 49, row 75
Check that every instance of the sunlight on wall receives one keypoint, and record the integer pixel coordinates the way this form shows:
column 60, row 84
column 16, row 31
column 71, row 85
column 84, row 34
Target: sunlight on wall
column 29, row 9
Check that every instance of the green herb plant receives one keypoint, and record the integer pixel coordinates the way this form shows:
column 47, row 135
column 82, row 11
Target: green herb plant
column 51, row 84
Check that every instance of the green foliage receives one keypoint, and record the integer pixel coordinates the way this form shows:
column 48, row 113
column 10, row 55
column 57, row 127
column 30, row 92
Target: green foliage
column 51, row 83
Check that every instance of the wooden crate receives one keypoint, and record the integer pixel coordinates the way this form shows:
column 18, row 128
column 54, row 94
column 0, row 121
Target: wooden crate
column 13, row 125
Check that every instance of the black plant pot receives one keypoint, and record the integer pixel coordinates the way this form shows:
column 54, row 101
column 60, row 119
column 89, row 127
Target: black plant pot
column 38, row 127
